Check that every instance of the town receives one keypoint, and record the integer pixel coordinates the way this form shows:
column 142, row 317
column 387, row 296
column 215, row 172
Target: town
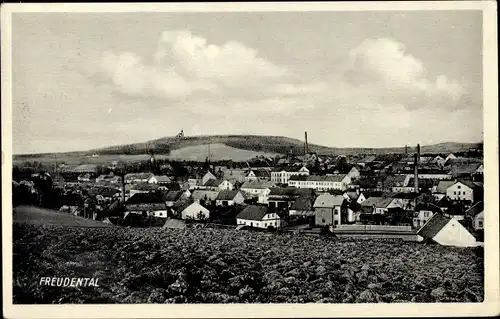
column 409, row 196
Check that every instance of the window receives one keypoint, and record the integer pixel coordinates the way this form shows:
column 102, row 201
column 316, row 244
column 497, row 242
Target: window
column 336, row 222
column 480, row 224
column 454, row 193
column 458, row 186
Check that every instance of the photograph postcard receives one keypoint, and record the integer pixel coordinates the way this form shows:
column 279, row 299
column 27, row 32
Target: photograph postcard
column 250, row 160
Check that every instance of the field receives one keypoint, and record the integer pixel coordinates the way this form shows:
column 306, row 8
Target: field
column 202, row 265
column 190, row 153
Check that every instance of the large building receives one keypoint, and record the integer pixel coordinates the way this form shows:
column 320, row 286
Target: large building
column 320, row 183
column 282, row 176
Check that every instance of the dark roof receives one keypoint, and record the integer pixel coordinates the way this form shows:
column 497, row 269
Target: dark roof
column 289, row 191
column 394, row 181
column 303, row 203
column 288, row 169
column 423, row 182
column 433, row 226
column 227, row 195
column 353, row 195
column 109, row 192
column 258, row 185
column 172, row 196
column 213, row 182
column 145, row 198
column 261, row 173
column 428, row 206
column 253, row 212
column 475, row 209
column 455, row 210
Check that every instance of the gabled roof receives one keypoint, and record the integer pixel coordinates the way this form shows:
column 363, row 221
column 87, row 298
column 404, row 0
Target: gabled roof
column 145, row 187
column 328, row 200
column 260, row 173
column 109, row 192
column 214, row 182
column 172, row 196
column 303, row 203
column 253, row 212
column 227, row 195
column 475, row 209
column 370, row 201
column 289, row 169
column 443, row 186
column 352, row 195
column 433, row 226
column 395, row 181
column 145, row 198
column 428, row 207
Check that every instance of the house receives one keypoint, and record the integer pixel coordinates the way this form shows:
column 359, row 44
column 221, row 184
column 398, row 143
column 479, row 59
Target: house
column 163, row 179
column 354, row 196
column 258, row 175
column 396, row 183
column 455, row 210
column 475, row 214
column 460, row 169
column 135, row 178
column 438, row 160
column 110, row 193
column 365, row 160
column 229, row 198
column 258, row 217
column 424, row 212
column 460, row 190
column 234, row 175
column 208, row 176
column 204, row 197
column 446, row 231
column 381, row 205
column 283, row 197
column 281, row 176
column 172, row 197
column 218, row 185
column 450, row 156
column 147, row 204
column 327, row 209
column 191, row 210
column 143, row 188
column 193, row 183
column 320, row 183
column 258, row 189
column 354, row 174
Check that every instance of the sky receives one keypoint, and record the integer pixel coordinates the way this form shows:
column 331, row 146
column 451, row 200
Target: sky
column 350, row 79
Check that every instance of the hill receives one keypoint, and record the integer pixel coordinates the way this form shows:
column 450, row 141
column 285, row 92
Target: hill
column 236, row 147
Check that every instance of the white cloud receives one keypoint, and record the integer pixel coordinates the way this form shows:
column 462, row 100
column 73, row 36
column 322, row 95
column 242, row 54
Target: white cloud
column 383, row 69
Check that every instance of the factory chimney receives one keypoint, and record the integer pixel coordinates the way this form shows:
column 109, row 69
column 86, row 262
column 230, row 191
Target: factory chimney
column 418, row 154
column 306, row 146
column 406, row 149
column 415, row 178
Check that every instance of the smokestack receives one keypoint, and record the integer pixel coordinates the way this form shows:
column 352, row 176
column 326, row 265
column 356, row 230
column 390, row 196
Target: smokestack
column 406, row 149
column 415, row 179
column 123, row 187
column 418, row 154
column 306, row 147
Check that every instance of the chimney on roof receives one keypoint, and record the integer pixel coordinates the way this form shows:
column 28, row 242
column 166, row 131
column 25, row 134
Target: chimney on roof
column 306, row 147
column 415, row 179
column 406, row 149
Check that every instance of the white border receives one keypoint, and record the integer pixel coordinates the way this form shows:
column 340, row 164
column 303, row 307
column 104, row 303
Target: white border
column 490, row 306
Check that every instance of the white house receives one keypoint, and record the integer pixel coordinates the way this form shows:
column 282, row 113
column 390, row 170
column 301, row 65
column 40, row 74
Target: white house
column 327, row 209
column 229, row 198
column 135, row 178
column 447, row 232
column 208, row 176
column 424, row 212
column 476, row 214
column 459, row 190
column 354, row 174
column 257, row 175
column 381, row 205
column 258, row 217
column 258, row 189
column 320, row 183
column 192, row 183
column 438, row 160
column 151, row 204
column 283, row 175
column 218, row 185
